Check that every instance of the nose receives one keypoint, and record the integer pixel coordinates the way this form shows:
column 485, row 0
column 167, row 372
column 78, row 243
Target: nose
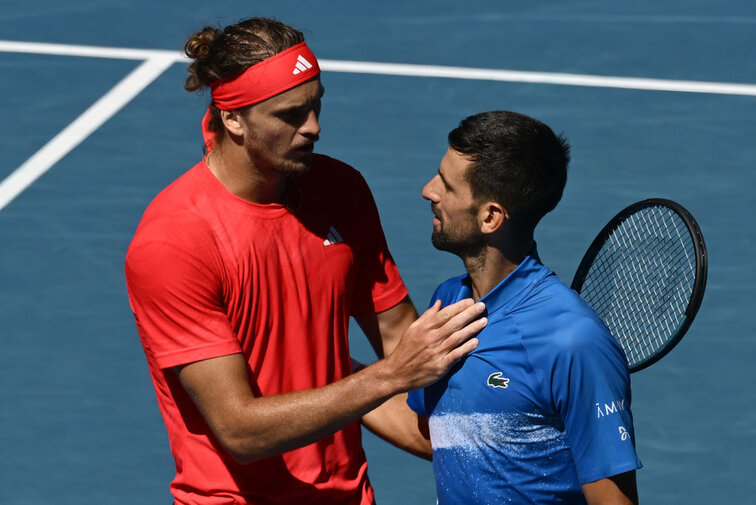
column 311, row 126
column 429, row 192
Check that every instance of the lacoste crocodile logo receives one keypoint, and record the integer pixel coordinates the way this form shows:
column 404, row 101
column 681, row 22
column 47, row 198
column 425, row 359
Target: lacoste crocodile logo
column 495, row 381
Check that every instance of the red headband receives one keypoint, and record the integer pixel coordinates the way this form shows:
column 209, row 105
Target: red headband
column 261, row 81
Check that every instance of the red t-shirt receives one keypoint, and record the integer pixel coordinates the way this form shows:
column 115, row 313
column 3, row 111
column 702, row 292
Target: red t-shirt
column 210, row 274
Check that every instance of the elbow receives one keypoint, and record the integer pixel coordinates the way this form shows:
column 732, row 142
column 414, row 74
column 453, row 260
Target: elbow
column 244, row 452
column 242, row 447
column 244, row 458
column 239, row 453
column 421, row 451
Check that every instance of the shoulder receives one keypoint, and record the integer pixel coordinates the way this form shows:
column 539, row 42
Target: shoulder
column 174, row 198
column 322, row 161
column 323, row 165
column 334, row 174
column 181, row 204
column 449, row 290
column 567, row 343
column 562, row 304
column 452, row 283
column 174, row 223
column 332, row 187
column 560, row 319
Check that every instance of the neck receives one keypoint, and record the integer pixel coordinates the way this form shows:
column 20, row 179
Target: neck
column 494, row 264
column 236, row 171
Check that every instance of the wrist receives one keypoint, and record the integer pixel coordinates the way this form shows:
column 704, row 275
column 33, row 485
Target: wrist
column 385, row 379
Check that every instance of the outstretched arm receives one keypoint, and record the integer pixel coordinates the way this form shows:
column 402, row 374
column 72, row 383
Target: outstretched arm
column 251, row 428
column 393, row 420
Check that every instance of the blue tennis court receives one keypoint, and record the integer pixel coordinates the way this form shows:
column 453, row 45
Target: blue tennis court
column 658, row 98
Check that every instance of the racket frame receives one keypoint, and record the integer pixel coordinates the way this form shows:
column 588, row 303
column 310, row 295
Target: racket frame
column 701, row 259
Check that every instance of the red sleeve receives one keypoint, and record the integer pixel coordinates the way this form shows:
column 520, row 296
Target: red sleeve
column 175, row 294
column 379, row 285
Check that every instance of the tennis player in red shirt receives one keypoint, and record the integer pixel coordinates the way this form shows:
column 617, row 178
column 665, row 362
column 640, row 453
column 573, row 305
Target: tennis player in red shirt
column 242, row 277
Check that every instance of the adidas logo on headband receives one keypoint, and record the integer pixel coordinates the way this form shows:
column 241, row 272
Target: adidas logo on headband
column 302, row 65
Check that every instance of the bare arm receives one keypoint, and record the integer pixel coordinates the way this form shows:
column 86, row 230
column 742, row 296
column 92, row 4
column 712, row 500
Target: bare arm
column 617, row 490
column 399, row 425
column 384, row 330
column 251, row 428
column 393, row 420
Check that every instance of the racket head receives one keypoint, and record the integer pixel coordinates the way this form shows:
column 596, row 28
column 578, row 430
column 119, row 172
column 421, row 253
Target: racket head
column 645, row 275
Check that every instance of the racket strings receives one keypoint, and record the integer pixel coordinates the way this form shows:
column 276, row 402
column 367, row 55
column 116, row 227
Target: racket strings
column 642, row 279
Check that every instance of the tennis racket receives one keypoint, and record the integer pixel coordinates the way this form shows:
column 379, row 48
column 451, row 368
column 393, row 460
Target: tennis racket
column 645, row 275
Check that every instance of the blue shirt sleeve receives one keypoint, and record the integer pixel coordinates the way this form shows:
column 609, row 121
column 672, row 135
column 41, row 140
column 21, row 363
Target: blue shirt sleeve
column 586, row 379
column 416, row 401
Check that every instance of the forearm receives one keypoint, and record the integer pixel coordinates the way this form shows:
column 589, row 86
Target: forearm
column 396, row 423
column 257, row 427
column 252, row 427
column 393, row 420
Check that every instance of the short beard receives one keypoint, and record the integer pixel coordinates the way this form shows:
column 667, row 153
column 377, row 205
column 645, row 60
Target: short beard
column 467, row 248
column 292, row 170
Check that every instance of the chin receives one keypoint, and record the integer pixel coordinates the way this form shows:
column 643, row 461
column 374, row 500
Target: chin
column 440, row 241
column 463, row 247
column 294, row 168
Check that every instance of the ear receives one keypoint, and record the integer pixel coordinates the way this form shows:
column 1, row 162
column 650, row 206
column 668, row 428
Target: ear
column 232, row 121
column 492, row 217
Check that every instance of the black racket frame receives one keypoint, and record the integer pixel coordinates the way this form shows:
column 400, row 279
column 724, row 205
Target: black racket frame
column 701, row 274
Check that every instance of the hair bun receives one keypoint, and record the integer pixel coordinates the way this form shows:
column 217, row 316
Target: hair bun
column 198, row 45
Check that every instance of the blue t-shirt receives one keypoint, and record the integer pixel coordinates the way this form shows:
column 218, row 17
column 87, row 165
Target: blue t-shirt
column 539, row 408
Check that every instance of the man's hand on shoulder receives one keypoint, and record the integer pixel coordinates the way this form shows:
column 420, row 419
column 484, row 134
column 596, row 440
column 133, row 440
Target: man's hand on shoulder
column 435, row 342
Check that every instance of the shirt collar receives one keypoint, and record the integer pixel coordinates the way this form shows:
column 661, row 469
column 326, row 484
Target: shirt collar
column 514, row 285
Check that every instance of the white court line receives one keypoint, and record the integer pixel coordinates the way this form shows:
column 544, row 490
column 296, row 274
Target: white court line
column 365, row 67
column 539, row 77
column 157, row 61
column 118, row 53
column 73, row 134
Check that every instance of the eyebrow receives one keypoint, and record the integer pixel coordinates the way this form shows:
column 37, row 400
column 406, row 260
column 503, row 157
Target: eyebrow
column 300, row 105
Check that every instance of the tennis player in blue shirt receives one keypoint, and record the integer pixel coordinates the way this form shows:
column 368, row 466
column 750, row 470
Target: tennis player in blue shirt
column 539, row 412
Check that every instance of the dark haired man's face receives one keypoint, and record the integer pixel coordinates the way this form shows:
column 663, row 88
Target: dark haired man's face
column 455, row 223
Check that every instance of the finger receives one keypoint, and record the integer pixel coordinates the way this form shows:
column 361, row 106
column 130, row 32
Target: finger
column 435, row 308
column 461, row 318
column 436, row 316
column 450, row 311
column 460, row 352
column 429, row 314
column 461, row 336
